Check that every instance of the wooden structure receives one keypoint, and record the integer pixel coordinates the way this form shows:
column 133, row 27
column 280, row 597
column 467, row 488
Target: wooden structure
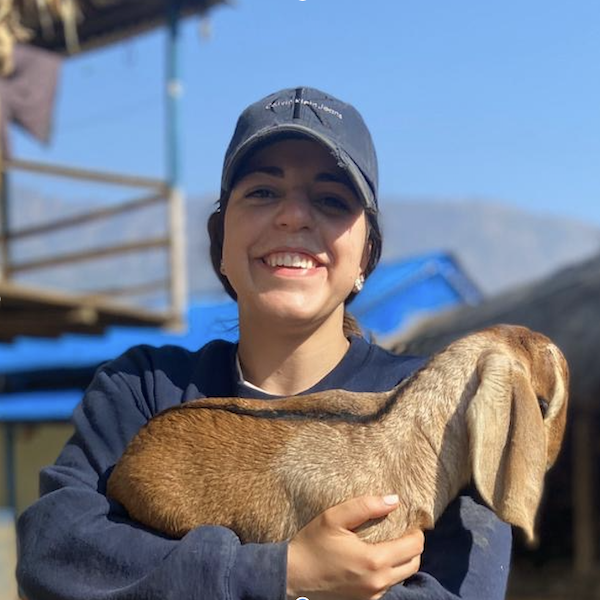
column 96, row 23
column 30, row 309
column 39, row 310
column 566, row 307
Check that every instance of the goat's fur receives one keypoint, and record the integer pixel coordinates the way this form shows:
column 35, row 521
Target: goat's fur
column 265, row 468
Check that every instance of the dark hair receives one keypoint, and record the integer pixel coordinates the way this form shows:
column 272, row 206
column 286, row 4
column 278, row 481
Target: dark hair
column 216, row 233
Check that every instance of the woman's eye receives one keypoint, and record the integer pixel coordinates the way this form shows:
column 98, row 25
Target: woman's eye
column 334, row 204
column 261, row 193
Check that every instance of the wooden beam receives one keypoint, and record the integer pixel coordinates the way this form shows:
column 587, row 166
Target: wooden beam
column 35, row 299
column 45, row 328
column 106, row 23
column 583, row 494
column 75, row 257
column 48, row 319
column 84, row 218
column 85, row 174
column 4, row 224
column 177, row 255
column 130, row 290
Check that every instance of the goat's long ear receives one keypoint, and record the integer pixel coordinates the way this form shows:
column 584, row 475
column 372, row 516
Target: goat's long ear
column 507, row 440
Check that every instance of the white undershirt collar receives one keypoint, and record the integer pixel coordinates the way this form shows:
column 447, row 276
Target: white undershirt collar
column 244, row 381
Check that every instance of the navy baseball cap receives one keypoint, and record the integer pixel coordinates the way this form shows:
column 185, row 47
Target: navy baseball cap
column 319, row 116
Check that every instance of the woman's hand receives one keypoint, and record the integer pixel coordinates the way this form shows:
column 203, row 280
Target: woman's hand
column 328, row 561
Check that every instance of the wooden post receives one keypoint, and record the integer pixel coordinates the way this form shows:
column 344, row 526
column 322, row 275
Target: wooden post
column 174, row 91
column 4, row 225
column 583, row 493
column 177, row 258
column 9, row 465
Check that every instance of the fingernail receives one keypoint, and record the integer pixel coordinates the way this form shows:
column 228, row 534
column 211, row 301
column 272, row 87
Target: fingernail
column 391, row 499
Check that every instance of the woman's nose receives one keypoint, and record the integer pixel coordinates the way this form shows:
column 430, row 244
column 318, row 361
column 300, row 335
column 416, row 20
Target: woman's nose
column 295, row 211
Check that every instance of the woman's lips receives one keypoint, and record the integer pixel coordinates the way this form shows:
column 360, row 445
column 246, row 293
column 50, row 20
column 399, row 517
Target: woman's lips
column 294, row 260
column 291, row 263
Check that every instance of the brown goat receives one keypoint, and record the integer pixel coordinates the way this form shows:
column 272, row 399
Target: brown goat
column 490, row 408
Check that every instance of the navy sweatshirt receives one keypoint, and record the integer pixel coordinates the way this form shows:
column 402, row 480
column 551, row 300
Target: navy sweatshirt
column 76, row 544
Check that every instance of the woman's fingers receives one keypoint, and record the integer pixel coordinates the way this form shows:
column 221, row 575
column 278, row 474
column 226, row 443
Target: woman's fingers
column 405, row 555
column 326, row 559
column 398, row 552
column 389, row 563
column 355, row 512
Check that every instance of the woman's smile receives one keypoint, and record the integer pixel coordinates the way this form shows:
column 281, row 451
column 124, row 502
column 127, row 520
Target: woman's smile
column 291, row 263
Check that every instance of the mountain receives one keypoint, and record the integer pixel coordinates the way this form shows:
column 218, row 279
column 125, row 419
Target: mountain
column 499, row 246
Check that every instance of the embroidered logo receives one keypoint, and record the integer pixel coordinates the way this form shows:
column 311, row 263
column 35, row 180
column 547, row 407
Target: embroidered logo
column 317, row 105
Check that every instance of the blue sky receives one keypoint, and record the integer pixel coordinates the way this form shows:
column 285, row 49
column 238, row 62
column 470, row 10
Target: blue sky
column 495, row 101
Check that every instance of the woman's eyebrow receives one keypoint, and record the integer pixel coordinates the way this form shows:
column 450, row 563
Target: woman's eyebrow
column 273, row 171
column 328, row 176
column 323, row 177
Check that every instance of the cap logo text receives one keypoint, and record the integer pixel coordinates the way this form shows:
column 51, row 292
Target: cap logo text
column 317, row 105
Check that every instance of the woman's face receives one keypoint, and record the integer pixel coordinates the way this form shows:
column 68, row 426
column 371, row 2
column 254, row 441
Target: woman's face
column 295, row 234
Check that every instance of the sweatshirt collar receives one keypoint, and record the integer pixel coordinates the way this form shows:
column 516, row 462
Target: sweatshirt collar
column 350, row 363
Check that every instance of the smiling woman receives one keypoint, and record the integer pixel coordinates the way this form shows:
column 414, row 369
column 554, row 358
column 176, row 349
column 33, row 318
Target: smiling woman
column 296, row 231
column 295, row 245
column 294, row 235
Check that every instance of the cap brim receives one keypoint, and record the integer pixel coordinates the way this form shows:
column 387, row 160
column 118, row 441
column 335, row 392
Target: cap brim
column 363, row 188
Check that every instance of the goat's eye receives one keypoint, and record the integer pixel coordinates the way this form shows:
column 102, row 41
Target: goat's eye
column 544, row 404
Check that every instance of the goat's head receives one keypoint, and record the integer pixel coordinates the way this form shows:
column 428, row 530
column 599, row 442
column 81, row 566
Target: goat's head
column 516, row 421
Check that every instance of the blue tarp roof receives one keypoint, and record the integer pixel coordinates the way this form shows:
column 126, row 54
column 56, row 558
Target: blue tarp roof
column 394, row 292
column 397, row 291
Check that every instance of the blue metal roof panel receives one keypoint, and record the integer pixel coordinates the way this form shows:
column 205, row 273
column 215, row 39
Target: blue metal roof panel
column 394, row 310
column 397, row 290
column 38, row 406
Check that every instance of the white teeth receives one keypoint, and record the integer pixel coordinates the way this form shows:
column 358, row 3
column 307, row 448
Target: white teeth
column 286, row 259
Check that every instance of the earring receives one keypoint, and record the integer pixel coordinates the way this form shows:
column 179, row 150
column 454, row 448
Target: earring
column 359, row 282
column 222, row 268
